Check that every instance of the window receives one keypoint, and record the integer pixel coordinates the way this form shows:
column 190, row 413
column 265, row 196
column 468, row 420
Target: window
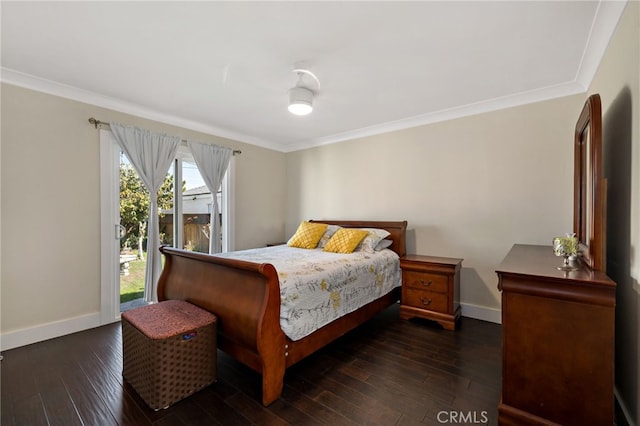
column 183, row 221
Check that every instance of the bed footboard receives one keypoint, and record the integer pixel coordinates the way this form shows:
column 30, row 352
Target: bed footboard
column 245, row 297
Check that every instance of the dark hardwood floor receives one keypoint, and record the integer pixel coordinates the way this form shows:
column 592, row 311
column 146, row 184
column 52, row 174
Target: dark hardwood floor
column 386, row 372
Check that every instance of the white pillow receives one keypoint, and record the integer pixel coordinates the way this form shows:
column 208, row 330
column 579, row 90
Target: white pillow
column 383, row 244
column 368, row 245
column 328, row 233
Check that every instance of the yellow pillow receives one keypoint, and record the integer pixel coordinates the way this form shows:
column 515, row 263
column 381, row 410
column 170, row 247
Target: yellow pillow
column 345, row 240
column 307, row 235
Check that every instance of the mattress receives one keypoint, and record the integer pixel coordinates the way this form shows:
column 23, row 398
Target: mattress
column 317, row 287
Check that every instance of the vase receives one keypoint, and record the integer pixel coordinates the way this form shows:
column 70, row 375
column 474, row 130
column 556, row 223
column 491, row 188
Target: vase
column 568, row 262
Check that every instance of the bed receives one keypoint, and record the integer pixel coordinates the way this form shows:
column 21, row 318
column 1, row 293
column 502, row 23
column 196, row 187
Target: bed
column 246, row 298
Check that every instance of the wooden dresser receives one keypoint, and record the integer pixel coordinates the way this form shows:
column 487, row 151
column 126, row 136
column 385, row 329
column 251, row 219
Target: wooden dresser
column 431, row 289
column 557, row 341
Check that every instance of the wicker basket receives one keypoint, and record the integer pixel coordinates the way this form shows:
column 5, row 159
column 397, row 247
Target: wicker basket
column 169, row 351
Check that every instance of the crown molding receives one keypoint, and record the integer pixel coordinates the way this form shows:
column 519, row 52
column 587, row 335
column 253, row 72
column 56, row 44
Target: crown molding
column 603, row 27
column 510, row 101
column 27, row 81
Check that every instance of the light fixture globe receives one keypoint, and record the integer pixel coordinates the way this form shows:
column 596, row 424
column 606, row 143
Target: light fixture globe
column 300, row 100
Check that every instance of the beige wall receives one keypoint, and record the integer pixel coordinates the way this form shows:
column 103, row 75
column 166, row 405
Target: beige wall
column 50, row 198
column 618, row 82
column 469, row 188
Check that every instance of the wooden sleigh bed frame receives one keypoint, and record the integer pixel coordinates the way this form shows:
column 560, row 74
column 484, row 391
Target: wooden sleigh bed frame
column 245, row 296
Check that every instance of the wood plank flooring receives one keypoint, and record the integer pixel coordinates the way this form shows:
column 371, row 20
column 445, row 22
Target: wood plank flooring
column 386, row 372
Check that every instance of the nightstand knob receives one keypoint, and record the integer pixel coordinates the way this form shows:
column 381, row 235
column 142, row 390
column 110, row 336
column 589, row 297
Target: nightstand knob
column 427, row 303
column 427, row 284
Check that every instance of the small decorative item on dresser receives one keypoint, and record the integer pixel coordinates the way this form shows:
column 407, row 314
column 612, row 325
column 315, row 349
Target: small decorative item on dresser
column 567, row 247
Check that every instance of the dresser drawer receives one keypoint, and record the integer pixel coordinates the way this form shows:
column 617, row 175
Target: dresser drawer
column 425, row 299
column 425, row 281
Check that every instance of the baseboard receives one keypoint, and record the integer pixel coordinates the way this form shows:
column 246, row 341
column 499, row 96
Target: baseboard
column 27, row 336
column 482, row 313
column 623, row 407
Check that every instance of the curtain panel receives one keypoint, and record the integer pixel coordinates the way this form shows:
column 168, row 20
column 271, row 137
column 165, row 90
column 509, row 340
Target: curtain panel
column 212, row 161
column 151, row 155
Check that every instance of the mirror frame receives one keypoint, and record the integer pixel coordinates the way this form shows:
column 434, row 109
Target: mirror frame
column 589, row 199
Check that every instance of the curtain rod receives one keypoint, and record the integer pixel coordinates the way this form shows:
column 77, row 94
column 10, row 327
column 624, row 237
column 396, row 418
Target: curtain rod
column 96, row 123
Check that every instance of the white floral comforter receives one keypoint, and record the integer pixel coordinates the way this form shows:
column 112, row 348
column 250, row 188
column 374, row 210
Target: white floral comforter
column 316, row 287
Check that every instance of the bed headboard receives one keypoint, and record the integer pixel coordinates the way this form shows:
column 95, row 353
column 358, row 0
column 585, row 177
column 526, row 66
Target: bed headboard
column 397, row 231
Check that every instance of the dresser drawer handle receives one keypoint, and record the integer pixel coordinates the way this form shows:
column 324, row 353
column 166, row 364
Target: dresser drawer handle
column 427, row 303
column 426, row 284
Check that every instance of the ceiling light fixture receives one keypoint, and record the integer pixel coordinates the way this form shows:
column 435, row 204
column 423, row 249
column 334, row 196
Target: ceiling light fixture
column 301, row 96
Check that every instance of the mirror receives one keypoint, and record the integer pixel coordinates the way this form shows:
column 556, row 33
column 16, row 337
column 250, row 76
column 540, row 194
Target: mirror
column 589, row 199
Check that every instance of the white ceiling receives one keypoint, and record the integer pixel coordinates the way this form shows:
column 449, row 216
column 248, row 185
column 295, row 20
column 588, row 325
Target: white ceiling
column 225, row 67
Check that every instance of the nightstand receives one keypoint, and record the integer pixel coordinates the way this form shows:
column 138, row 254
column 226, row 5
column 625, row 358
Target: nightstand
column 431, row 289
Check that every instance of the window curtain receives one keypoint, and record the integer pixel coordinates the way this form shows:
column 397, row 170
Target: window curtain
column 212, row 162
column 151, row 155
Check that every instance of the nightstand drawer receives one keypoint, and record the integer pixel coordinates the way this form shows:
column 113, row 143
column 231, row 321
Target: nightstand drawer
column 425, row 299
column 425, row 281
